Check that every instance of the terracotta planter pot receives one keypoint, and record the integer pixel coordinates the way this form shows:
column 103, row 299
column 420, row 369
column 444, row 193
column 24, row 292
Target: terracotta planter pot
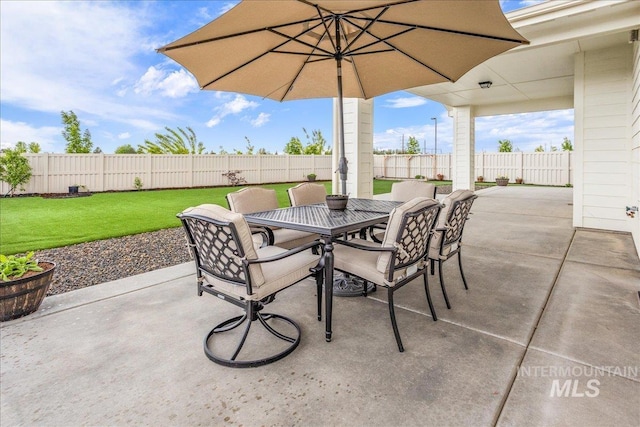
column 23, row 296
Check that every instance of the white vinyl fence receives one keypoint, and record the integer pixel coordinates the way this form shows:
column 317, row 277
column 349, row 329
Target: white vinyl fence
column 553, row 168
column 54, row 173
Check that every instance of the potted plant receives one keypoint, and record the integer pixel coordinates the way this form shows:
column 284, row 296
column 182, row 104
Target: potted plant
column 439, row 177
column 24, row 283
column 73, row 189
column 519, row 181
column 311, row 177
column 502, row 180
column 480, row 178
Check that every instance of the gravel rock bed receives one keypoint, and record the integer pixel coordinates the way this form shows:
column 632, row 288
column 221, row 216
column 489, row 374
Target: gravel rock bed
column 92, row 263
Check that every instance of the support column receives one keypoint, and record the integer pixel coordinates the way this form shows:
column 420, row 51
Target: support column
column 358, row 141
column 463, row 168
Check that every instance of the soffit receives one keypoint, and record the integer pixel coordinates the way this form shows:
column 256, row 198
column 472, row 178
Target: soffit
column 525, row 77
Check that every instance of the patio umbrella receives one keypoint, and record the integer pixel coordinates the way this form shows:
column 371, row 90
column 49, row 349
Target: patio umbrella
column 297, row 49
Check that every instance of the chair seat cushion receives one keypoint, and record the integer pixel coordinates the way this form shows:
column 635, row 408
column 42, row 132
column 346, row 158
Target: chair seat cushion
column 277, row 274
column 362, row 263
column 289, row 239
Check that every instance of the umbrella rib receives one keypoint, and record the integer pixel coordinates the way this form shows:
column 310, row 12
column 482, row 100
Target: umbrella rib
column 242, row 33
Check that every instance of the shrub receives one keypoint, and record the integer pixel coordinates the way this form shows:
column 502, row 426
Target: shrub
column 15, row 169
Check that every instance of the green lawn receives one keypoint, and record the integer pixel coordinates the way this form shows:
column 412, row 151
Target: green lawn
column 34, row 223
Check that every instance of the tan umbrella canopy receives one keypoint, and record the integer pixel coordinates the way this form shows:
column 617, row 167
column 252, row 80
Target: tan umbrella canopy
column 297, row 49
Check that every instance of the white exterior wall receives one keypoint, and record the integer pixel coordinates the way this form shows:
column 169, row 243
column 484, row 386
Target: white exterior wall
column 463, row 171
column 634, row 223
column 358, row 140
column 602, row 141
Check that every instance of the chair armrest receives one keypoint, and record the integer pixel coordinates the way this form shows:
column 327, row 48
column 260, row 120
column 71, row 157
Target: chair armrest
column 286, row 254
column 365, row 247
column 266, row 232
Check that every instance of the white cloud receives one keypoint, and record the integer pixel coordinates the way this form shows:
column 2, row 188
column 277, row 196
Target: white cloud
column 124, row 135
column 46, row 136
column 227, row 6
column 408, row 102
column 261, row 120
column 235, row 106
column 171, row 84
column 525, row 131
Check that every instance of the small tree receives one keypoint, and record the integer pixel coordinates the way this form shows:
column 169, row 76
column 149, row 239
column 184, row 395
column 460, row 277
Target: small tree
column 567, row 145
column 173, row 142
column 250, row 147
column 34, row 147
column 15, row 169
column 539, row 149
column 125, row 149
column 315, row 143
column 294, row 146
column 505, row 146
column 413, row 146
column 77, row 141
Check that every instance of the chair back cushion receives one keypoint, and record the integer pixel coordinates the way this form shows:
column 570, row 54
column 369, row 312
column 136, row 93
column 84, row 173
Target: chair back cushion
column 404, row 191
column 408, row 229
column 219, row 248
column 252, row 199
column 452, row 217
column 307, row 193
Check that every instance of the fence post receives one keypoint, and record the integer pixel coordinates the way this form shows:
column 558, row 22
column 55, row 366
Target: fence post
column 148, row 171
column 45, row 174
column 520, row 165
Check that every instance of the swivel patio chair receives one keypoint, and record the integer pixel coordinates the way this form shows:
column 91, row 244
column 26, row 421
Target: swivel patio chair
column 307, row 193
column 402, row 191
column 228, row 266
column 256, row 199
column 447, row 237
column 400, row 258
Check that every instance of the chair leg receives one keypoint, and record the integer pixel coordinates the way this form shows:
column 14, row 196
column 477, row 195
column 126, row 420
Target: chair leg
column 432, row 263
column 319, row 283
column 252, row 313
column 464, row 280
column 426, row 289
column 444, row 291
column 394, row 324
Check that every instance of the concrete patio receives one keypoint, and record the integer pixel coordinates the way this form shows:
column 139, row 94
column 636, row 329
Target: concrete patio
column 546, row 335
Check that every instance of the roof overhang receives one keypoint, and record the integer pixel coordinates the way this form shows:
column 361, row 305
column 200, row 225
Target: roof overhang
column 540, row 76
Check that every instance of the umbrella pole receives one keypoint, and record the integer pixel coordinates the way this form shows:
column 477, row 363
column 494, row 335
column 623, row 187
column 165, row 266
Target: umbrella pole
column 342, row 162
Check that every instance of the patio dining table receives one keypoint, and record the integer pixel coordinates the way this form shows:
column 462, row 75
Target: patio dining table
column 330, row 225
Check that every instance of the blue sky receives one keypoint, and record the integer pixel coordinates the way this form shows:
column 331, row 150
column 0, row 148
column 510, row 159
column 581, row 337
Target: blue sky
column 99, row 60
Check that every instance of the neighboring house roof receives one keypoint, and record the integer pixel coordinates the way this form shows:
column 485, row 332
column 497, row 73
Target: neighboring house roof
column 540, row 76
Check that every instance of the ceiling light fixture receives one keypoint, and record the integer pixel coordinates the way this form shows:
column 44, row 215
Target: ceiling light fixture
column 485, row 85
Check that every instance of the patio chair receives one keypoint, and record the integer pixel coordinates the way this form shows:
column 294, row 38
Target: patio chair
column 307, row 193
column 400, row 258
column 257, row 199
column 228, row 266
column 406, row 190
column 447, row 237
column 402, row 191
